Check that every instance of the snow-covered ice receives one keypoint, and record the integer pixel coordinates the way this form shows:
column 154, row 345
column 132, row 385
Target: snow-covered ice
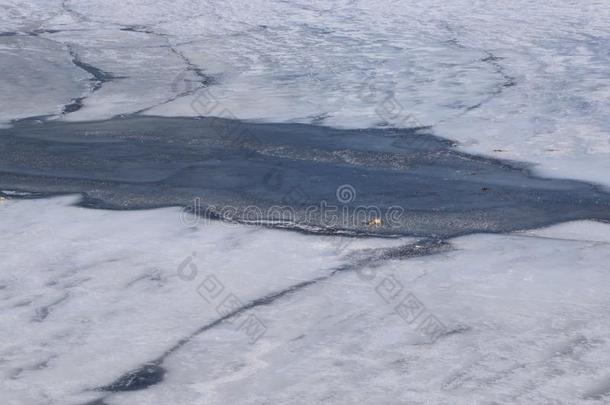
column 88, row 295
column 517, row 80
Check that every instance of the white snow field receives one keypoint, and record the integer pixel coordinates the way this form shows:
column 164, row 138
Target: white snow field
column 88, row 295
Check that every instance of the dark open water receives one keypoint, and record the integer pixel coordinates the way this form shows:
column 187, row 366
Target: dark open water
column 417, row 184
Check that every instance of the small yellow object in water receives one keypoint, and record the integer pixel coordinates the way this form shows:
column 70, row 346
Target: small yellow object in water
column 2, row 199
column 375, row 222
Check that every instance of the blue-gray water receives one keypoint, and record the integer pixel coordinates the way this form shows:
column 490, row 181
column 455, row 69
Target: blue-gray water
column 417, row 184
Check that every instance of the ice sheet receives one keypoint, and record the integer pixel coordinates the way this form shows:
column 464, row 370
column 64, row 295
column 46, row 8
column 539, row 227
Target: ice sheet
column 88, row 295
column 518, row 80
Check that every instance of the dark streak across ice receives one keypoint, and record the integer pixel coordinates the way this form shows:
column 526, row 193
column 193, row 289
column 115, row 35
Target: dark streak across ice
column 99, row 401
column 43, row 312
column 140, row 29
column 99, row 78
column 508, row 81
column 43, row 31
column 152, row 372
column 492, row 60
column 204, row 80
column 75, row 105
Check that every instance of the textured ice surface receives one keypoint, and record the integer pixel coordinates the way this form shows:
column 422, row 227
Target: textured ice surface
column 99, row 292
column 518, row 80
column 37, row 77
column 88, row 295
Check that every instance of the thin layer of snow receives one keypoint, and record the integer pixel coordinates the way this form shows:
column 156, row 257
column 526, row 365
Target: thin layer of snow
column 88, row 295
column 517, row 80
column 38, row 77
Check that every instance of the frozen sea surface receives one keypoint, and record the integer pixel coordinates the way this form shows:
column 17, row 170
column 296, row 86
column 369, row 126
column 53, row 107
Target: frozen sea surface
column 89, row 295
column 516, row 80
column 158, row 306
